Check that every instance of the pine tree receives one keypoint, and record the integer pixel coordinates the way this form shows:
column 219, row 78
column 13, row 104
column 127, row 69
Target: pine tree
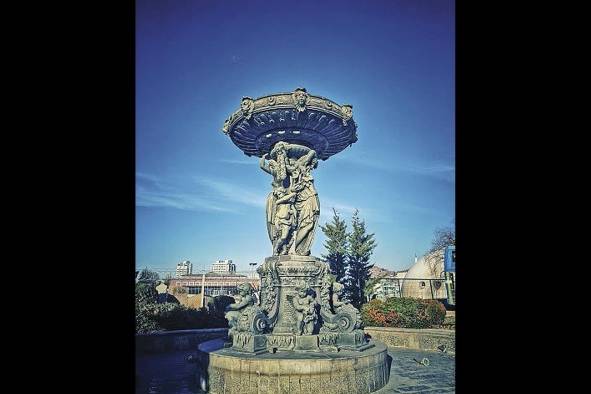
column 148, row 276
column 361, row 247
column 336, row 244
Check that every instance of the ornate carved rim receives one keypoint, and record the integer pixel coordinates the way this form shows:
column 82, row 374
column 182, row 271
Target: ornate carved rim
column 285, row 100
column 299, row 101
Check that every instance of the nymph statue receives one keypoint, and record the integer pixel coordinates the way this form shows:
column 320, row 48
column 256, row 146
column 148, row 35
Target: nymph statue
column 307, row 204
column 285, row 220
column 277, row 167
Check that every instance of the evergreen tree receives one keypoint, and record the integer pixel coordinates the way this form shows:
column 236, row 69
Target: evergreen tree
column 148, row 276
column 336, row 244
column 361, row 247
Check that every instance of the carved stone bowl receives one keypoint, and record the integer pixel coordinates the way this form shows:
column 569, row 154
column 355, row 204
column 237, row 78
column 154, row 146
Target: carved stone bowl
column 298, row 118
column 345, row 372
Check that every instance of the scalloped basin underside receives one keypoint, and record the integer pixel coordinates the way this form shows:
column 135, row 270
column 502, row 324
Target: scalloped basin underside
column 321, row 131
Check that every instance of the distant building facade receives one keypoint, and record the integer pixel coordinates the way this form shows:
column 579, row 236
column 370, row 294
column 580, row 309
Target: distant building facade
column 184, row 268
column 387, row 285
column 213, row 283
column 223, row 267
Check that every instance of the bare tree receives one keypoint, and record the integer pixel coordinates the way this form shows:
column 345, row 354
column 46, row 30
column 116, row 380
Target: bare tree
column 442, row 237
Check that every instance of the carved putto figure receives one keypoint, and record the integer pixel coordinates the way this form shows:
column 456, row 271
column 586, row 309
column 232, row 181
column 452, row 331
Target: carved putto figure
column 307, row 204
column 243, row 300
column 305, row 308
column 300, row 98
column 337, row 292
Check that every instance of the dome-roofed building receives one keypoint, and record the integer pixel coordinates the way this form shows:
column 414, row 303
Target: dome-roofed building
column 425, row 279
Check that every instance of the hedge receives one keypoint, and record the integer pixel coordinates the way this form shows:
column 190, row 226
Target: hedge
column 403, row 313
column 151, row 316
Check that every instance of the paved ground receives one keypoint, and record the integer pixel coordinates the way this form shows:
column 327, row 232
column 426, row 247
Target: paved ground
column 171, row 373
column 408, row 376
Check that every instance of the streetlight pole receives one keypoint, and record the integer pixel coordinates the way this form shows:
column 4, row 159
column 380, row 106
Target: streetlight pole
column 252, row 265
column 203, row 290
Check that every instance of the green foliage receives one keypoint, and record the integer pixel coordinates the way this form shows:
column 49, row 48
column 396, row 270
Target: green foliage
column 146, row 297
column 370, row 285
column 145, row 293
column 336, row 244
column 151, row 316
column 361, row 247
column 145, row 321
column 179, row 317
column 148, row 276
column 170, row 316
column 403, row 313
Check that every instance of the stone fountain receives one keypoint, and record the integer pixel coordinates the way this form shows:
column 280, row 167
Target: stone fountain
column 300, row 336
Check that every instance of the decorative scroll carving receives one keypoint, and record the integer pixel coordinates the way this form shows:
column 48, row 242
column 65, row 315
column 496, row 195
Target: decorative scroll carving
column 230, row 120
column 328, row 338
column 269, row 295
column 243, row 315
column 281, row 341
column 346, row 318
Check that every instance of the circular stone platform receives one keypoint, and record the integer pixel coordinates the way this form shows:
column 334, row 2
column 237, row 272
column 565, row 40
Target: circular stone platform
column 298, row 118
column 288, row 372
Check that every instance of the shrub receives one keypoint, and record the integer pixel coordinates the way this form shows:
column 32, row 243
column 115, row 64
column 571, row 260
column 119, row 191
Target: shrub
column 145, row 319
column 170, row 316
column 403, row 313
column 145, row 293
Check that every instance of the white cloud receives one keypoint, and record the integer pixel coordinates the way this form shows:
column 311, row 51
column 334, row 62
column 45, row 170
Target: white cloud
column 441, row 171
column 232, row 193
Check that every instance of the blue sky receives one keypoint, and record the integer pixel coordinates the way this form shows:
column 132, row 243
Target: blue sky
column 198, row 197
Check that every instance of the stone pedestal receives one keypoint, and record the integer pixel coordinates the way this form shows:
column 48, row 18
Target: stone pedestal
column 246, row 342
column 306, row 343
column 345, row 372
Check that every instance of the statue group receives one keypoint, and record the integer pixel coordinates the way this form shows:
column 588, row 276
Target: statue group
column 300, row 305
column 293, row 207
